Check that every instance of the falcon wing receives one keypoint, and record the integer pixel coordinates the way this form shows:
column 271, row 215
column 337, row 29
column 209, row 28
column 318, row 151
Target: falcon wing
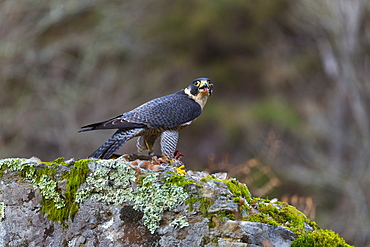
column 168, row 112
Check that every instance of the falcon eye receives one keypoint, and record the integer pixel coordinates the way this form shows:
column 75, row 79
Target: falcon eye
column 197, row 83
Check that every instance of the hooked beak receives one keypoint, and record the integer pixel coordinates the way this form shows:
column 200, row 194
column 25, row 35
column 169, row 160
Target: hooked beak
column 205, row 87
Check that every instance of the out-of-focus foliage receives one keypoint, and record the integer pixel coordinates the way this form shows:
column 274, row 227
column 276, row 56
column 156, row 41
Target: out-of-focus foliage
column 292, row 91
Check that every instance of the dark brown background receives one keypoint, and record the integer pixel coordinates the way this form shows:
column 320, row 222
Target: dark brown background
column 290, row 111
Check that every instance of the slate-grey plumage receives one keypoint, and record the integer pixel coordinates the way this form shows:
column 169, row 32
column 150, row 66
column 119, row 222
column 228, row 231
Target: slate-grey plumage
column 164, row 117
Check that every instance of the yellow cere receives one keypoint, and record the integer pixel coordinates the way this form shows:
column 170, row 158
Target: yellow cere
column 204, row 81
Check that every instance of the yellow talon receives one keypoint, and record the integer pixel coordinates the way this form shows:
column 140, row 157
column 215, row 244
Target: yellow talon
column 180, row 170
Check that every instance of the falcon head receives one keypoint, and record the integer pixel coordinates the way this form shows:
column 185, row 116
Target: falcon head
column 199, row 90
column 201, row 86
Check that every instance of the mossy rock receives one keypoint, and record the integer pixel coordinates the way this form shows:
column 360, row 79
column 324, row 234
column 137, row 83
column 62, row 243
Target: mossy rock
column 320, row 238
column 153, row 193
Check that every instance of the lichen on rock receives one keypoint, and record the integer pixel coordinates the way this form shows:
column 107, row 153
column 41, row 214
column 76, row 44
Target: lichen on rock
column 113, row 181
column 141, row 203
column 2, row 211
column 57, row 202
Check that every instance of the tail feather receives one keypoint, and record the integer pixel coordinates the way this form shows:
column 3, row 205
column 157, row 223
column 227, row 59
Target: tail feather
column 114, row 143
column 113, row 123
column 114, row 147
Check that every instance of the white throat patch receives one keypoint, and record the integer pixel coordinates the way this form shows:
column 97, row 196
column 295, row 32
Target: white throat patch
column 200, row 98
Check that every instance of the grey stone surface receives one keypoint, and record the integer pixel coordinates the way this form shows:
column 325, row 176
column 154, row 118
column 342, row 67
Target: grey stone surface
column 103, row 224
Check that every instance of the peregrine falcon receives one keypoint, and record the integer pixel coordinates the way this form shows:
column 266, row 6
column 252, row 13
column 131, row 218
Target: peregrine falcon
column 164, row 117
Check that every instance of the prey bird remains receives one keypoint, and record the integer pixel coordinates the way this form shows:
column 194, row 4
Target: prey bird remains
column 161, row 117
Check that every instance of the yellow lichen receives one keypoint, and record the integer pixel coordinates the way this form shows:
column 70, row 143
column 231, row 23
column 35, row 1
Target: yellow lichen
column 180, row 170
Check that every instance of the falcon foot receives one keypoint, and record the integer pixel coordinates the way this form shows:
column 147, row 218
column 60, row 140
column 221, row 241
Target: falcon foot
column 177, row 154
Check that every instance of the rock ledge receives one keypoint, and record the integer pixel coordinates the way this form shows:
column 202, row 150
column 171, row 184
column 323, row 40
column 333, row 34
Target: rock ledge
column 139, row 203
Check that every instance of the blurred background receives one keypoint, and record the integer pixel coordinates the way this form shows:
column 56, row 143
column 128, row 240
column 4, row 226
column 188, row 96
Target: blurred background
column 290, row 111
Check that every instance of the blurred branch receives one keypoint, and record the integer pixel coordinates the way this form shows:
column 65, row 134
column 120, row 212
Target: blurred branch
column 338, row 35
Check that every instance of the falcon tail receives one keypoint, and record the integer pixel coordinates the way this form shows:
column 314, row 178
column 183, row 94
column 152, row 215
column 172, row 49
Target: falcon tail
column 114, row 143
column 113, row 123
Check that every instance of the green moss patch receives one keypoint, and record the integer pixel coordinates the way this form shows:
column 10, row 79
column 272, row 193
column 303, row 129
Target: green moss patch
column 74, row 179
column 198, row 201
column 58, row 201
column 280, row 214
column 207, row 240
column 322, row 238
column 179, row 180
column 203, row 204
column 2, row 169
column 237, row 189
